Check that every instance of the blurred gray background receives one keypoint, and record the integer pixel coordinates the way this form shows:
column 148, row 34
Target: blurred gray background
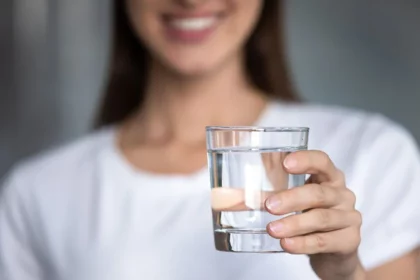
column 53, row 58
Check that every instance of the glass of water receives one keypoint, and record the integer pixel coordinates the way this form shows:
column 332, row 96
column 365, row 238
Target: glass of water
column 246, row 167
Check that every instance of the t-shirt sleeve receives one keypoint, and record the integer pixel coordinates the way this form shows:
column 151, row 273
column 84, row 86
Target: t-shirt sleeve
column 17, row 258
column 389, row 173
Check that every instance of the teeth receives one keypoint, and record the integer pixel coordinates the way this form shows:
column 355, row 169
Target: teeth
column 193, row 23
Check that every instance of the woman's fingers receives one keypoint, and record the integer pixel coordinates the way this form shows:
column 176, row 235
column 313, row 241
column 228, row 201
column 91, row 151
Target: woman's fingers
column 341, row 241
column 283, row 202
column 308, row 197
column 317, row 220
column 316, row 163
column 237, row 199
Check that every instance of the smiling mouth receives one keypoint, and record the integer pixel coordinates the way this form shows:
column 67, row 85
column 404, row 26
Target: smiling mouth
column 193, row 24
column 190, row 28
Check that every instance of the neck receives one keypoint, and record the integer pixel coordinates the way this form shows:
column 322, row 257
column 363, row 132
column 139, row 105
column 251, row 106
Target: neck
column 178, row 108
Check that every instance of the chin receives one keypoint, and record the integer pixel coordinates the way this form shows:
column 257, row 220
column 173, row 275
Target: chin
column 194, row 69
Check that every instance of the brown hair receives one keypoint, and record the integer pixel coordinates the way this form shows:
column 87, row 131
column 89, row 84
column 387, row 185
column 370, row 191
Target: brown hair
column 125, row 88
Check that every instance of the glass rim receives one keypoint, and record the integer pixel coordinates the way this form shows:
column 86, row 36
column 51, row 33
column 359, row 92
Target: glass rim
column 257, row 128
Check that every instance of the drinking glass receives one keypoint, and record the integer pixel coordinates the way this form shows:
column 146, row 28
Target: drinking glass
column 246, row 167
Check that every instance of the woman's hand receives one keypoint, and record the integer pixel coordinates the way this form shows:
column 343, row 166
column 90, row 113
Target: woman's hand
column 328, row 230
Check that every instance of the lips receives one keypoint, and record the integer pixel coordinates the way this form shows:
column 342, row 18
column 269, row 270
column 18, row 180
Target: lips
column 190, row 28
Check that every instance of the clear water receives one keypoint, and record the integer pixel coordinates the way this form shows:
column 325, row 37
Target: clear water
column 241, row 180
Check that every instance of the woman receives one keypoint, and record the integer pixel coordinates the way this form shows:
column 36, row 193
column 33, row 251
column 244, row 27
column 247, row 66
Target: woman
column 132, row 201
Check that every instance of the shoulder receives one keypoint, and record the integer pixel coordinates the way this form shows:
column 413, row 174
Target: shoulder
column 316, row 115
column 55, row 167
column 341, row 123
column 363, row 144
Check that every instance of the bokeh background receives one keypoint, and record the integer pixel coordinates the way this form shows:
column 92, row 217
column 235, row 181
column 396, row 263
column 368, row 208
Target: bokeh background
column 53, row 57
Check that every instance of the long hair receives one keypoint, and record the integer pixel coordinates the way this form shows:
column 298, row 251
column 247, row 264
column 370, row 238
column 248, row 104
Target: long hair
column 126, row 85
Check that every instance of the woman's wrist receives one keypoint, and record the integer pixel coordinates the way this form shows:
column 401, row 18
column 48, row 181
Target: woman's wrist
column 360, row 273
column 336, row 267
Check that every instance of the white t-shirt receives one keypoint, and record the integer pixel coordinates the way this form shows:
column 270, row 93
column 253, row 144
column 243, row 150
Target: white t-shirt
column 83, row 213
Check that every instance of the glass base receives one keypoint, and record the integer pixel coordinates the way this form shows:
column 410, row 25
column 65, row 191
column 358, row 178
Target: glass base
column 246, row 241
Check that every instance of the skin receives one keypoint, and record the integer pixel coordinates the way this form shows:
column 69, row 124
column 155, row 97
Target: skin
column 186, row 83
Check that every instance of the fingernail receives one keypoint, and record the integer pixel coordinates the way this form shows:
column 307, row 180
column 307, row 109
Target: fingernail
column 276, row 227
column 272, row 204
column 290, row 163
